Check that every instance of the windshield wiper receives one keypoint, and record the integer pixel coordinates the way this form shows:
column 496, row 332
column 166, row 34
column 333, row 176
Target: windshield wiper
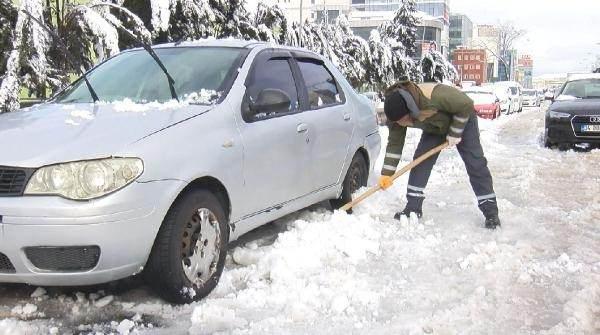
column 154, row 56
column 67, row 53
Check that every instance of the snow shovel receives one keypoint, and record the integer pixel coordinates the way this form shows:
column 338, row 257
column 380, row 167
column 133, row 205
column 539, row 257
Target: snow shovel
column 398, row 173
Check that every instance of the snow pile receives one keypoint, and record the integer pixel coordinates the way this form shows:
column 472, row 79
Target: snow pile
column 304, row 275
column 16, row 327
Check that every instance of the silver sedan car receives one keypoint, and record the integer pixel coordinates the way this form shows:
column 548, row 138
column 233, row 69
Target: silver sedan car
column 154, row 163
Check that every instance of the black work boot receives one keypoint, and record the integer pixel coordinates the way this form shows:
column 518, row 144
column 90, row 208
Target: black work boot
column 413, row 205
column 489, row 208
column 406, row 212
column 492, row 221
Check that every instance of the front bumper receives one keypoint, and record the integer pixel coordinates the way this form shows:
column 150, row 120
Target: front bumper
column 123, row 225
column 567, row 130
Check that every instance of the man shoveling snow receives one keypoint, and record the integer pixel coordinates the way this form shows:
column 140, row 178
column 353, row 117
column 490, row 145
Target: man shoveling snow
column 444, row 114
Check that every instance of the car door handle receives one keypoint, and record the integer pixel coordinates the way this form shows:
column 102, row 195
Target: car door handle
column 347, row 117
column 302, row 128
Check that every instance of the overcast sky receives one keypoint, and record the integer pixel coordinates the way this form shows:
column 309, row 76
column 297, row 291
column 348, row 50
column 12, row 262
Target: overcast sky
column 562, row 36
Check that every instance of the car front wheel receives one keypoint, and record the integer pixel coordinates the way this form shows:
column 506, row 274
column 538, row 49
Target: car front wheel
column 189, row 252
column 356, row 177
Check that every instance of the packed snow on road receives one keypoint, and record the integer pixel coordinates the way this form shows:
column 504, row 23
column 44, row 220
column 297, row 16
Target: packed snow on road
column 318, row 272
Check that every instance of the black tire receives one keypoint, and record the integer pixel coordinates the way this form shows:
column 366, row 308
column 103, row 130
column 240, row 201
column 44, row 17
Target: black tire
column 165, row 268
column 356, row 177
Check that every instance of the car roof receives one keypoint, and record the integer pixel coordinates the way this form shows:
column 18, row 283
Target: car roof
column 507, row 83
column 478, row 89
column 580, row 76
column 233, row 43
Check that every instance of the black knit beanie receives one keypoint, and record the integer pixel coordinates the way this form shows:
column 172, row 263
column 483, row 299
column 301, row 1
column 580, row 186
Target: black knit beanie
column 395, row 106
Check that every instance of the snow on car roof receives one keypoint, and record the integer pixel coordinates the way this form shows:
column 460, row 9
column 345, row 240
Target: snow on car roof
column 232, row 43
column 579, row 76
column 478, row 89
column 211, row 42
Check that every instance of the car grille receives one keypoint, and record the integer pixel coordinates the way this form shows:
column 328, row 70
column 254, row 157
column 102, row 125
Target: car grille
column 13, row 180
column 5, row 264
column 580, row 120
column 68, row 259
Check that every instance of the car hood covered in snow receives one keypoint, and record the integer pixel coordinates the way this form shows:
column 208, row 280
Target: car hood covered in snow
column 52, row 133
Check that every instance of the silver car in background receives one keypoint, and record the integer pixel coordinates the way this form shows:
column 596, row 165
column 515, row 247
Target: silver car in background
column 94, row 192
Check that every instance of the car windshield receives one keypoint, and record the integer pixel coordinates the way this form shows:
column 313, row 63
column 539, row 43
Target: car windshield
column 582, row 89
column 199, row 73
column 480, row 98
column 529, row 93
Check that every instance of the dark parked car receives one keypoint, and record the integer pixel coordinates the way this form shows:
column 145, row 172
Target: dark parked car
column 573, row 118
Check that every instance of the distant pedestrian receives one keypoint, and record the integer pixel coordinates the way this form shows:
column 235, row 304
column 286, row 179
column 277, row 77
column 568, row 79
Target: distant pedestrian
column 444, row 114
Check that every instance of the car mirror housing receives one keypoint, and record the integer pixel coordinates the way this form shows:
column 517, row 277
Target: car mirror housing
column 270, row 100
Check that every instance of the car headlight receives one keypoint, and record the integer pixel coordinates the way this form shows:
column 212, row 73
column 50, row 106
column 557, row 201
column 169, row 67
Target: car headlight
column 558, row 115
column 84, row 180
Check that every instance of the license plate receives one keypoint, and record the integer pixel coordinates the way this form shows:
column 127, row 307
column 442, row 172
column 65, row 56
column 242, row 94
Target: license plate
column 590, row 128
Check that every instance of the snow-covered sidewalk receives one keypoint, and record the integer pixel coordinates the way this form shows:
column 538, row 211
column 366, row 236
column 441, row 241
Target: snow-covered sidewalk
column 317, row 272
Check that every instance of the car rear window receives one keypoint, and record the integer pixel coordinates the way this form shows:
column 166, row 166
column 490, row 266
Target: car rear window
column 322, row 88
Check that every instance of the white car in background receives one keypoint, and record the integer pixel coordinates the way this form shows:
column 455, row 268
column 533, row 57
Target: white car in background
column 531, row 98
column 515, row 95
column 377, row 103
column 503, row 94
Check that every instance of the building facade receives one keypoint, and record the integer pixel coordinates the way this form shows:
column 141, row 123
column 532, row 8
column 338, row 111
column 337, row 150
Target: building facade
column 434, row 26
column 312, row 10
column 461, row 32
column 525, row 71
column 471, row 64
column 486, row 37
column 429, row 31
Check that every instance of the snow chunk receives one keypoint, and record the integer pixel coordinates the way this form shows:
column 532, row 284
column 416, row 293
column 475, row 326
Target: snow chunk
column 104, row 301
column 24, row 311
column 211, row 319
column 82, row 114
column 38, row 293
column 128, row 105
column 204, row 96
column 125, row 326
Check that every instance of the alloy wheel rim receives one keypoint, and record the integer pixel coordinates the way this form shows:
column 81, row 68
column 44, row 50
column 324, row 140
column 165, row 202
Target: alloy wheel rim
column 201, row 246
column 355, row 178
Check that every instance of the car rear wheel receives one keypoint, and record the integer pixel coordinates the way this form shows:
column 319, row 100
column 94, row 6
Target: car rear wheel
column 356, row 177
column 189, row 252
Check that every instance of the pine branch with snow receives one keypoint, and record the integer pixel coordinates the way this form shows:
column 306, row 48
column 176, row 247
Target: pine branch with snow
column 401, row 31
column 29, row 46
column 436, row 68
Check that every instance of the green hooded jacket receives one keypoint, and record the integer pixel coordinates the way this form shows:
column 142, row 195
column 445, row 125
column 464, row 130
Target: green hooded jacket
column 444, row 110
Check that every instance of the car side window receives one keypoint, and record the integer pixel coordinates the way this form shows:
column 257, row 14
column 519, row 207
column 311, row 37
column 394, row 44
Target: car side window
column 273, row 74
column 322, row 88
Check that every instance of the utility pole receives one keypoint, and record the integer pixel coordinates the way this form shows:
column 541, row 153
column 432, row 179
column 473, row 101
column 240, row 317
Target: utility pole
column 301, row 23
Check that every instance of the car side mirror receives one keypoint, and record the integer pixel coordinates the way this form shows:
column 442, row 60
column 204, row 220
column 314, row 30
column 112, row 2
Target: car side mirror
column 270, row 100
